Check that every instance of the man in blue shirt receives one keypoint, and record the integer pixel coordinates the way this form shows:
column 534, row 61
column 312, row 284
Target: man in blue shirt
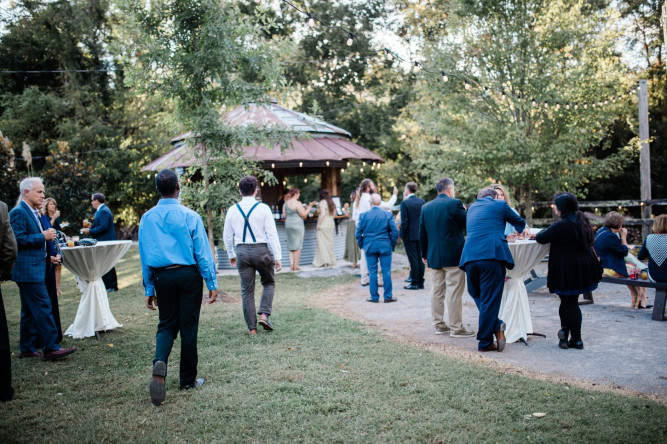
column 175, row 256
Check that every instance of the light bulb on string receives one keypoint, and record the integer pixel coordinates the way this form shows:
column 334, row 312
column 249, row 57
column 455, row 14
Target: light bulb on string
column 467, row 85
column 557, row 105
column 593, row 104
column 305, row 180
column 576, row 105
column 342, row 170
column 546, row 104
column 390, row 57
column 503, row 96
column 311, row 20
column 585, row 105
column 273, row 165
column 350, row 39
column 567, row 105
column 300, row 164
column 416, row 67
column 348, row 164
column 445, row 78
column 533, row 102
column 327, row 163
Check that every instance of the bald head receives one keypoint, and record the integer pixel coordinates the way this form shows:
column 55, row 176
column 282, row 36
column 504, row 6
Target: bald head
column 376, row 200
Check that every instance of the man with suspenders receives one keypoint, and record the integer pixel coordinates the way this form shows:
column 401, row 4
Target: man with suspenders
column 249, row 231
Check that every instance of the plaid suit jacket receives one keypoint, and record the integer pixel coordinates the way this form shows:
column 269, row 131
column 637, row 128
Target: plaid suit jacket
column 30, row 265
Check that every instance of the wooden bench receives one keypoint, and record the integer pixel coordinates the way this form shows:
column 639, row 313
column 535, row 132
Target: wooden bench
column 660, row 294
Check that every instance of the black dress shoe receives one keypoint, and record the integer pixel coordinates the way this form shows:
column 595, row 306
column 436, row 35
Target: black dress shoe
column 158, row 389
column 409, row 281
column 562, row 337
column 372, row 300
column 386, row 301
column 198, row 383
column 578, row 344
column 412, row 287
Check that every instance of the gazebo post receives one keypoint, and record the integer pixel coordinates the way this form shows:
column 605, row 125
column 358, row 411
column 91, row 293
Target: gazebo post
column 331, row 180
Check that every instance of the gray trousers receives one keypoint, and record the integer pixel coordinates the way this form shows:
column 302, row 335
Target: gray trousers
column 251, row 258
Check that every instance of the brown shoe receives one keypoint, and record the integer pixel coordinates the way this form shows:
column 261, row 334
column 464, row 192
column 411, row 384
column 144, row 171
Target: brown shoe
column 60, row 353
column 490, row 348
column 34, row 354
column 500, row 337
column 252, row 332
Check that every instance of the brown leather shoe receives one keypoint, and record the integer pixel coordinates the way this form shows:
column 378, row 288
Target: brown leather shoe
column 60, row 353
column 500, row 337
column 34, row 354
column 252, row 332
column 490, row 348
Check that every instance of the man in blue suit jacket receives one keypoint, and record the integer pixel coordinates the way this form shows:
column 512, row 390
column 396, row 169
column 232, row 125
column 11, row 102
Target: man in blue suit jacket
column 377, row 235
column 441, row 227
column 484, row 259
column 103, row 230
column 37, row 322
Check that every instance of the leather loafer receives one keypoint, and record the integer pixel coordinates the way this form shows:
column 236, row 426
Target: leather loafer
column 500, row 337
column 386, row 301
column 198, row 383
column 158, row 389
column 412, row 287
column 265, row 323
column 34, row 354
column 372, row 300
column 490, row 348
column 60, row 353
column 252, row 332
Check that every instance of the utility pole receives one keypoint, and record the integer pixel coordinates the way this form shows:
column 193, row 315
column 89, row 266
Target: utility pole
column 644, row 155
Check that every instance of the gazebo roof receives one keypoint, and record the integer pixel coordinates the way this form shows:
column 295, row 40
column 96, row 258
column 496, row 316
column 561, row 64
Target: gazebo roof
column 327, row 143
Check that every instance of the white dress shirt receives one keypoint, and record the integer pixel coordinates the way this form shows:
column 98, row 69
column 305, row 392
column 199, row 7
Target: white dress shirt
column 261, row 222
column 365, row 205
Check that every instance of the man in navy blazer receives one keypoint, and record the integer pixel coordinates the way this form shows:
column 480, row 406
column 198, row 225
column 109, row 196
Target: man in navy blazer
column 411, row 209
column 484, row 259
column 103, row 230
column 377, row 235
column 37, row 324
column 441, row 227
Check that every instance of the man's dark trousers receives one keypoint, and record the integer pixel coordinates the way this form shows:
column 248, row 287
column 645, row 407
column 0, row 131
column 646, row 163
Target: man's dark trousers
column 37, row 324
column 179, row 298
column 251, row 258
column 486, row 279
column 110, row 280
column 6, row 390
column 417, row 267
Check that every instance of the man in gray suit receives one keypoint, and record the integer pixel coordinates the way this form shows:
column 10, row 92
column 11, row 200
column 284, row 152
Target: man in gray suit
column 441, row 227
column 7, row 257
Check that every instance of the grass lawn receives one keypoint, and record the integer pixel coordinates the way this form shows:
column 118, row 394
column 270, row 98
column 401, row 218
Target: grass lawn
column 318, row 377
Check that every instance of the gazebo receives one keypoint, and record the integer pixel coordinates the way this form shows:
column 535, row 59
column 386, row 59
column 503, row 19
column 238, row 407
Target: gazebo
column 328, row 151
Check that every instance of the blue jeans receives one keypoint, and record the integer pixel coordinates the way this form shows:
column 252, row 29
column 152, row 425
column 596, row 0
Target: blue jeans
column 385, row 263
column 486, row 280
column 37, row 324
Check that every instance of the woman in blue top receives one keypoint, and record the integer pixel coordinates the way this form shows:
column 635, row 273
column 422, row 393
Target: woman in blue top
column 655, row 249
column 611, row 245
column 503, row 194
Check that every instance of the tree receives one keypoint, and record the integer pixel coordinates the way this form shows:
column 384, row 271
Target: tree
column 205, row 56
column 532, row 87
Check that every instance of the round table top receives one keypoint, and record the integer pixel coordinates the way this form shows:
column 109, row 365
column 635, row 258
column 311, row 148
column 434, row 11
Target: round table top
column 92, row 262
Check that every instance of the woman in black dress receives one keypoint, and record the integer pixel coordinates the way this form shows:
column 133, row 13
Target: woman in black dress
column 573, row 265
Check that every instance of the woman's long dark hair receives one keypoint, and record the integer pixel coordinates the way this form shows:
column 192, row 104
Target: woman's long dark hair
column 568, row 206
column 324, row 195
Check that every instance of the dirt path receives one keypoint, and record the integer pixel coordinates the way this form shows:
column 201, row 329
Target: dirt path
column 625, row 351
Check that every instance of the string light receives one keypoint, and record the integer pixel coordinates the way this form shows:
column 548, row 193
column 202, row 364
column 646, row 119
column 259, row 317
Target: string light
column 416, row 67
column 445, row 78
column 467, row 85
column 390, row 57
column 300, row 164
column 311, row 20
column 273, row 165
column 342, row 170
column 327, row 163
column 546, row 104
column 350, row 39
column 533, row 102
column 503, row 95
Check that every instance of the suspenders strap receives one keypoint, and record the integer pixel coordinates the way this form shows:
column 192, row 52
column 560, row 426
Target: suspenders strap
column 246, row 226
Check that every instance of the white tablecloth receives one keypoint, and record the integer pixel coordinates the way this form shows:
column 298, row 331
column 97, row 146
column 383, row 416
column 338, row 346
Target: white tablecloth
column 514, row 309
column 89, row 264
